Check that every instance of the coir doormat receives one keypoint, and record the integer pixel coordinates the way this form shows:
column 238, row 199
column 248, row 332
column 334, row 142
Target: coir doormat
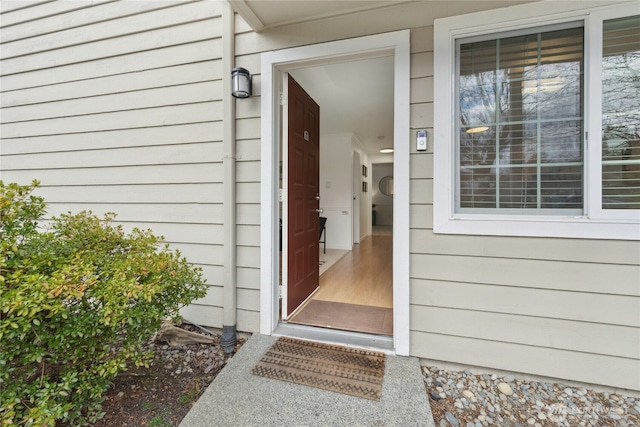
column 330, row 367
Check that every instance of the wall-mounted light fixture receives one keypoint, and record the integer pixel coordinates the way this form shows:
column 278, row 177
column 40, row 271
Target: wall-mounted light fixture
column 240, row 83
column 386, row 150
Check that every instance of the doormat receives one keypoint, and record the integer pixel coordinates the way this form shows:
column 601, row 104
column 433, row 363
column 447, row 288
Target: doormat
column 330, row 367
column 350, row 317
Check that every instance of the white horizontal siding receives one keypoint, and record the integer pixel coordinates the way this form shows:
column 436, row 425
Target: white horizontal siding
column 127, row 63
column 544, row 303
column 213, row 297
column 531, row 273
column 126, row 175
column 248, row 320
column 205, row 315
column 421, row 216
column 248, row 235
column 248, row 171
column 248, row 278
column 545, row 361
column 127, row 101
column 77, row 194
column 183, row 233
column 210, row 315
column 201, row 254
column 153, row 155
column 248, row 256
column 213, row 274
column 578, row 250
column 246, row 191
column 421, row 65
column 248, row 149
column 112, row 85
column 248, row 129
column 569, row 335
column 140, row 137
column 12, row 5
column 248, row 299
column 148, row 117
column 85, row 36
column 421, row 191
column 248, row 213
column 158, row 38
column 116, row 107
column 150, row 213
column 15, row 13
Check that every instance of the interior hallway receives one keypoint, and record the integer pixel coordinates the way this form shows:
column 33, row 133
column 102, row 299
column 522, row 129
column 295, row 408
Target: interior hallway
column 364, row 276
column 356, row 293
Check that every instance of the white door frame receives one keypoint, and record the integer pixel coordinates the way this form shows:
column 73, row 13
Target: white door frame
column 276, row 62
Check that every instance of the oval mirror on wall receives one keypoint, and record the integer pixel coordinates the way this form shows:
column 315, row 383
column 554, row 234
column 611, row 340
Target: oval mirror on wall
column 386, row 186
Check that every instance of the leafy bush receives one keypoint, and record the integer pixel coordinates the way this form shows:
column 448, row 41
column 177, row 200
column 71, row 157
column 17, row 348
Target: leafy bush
column 77, row 301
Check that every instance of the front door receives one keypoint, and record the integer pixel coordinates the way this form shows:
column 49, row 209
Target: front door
column 303, row 195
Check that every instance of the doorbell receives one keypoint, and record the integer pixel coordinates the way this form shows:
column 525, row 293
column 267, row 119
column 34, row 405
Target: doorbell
column 421, row 140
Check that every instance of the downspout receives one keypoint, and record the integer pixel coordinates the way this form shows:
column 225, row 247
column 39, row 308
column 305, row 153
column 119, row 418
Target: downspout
column 229, row 307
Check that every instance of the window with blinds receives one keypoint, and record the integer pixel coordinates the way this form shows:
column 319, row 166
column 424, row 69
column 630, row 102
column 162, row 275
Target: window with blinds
column 621, row 113
column 520, row 123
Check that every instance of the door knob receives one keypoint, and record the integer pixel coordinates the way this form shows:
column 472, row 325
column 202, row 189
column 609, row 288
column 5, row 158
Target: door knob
column 320, row 210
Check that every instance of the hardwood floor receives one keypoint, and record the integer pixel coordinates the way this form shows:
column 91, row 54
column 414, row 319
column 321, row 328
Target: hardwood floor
column 364, row 276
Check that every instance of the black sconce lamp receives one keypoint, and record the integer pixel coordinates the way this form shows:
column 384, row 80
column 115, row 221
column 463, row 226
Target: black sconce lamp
column 240, row 83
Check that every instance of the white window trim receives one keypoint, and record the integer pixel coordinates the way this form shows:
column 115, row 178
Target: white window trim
column 594, row 223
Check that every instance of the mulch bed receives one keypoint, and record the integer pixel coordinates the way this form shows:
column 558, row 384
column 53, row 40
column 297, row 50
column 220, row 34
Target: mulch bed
column 161, row 395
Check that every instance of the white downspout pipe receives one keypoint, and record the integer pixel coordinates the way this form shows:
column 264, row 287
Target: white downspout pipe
column 229, row 315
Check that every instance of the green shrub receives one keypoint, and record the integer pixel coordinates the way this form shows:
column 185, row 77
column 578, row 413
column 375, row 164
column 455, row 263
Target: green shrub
column 77, row 301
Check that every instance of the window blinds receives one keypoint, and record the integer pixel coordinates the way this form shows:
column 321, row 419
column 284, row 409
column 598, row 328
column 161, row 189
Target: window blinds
column 621, row 114
column 520, row 122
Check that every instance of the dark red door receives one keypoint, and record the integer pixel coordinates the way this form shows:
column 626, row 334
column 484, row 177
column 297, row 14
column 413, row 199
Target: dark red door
column 304, row 177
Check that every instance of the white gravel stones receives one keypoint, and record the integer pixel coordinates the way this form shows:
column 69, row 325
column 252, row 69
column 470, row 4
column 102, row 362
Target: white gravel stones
column 491, row 400
column 505, row 389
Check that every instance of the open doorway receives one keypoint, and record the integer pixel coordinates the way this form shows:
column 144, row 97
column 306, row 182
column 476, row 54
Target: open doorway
column 394, row 47
column 355, row 284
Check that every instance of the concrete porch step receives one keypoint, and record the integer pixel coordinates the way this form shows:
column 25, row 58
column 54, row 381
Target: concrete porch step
column 238, row 398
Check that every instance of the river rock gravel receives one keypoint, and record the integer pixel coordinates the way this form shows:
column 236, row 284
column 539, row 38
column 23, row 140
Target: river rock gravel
column 461, row 398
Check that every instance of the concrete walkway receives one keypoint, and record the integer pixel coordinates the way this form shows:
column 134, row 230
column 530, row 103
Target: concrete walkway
column 238, row 398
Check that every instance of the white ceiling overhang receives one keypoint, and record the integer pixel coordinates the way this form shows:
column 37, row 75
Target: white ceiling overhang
column 265, row 14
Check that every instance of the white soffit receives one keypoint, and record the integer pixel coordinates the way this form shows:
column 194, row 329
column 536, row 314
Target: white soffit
column 265, row 14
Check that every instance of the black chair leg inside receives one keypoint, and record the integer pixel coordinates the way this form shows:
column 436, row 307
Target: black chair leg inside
column 323, row 240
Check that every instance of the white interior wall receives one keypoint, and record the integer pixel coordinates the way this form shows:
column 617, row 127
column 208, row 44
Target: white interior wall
column 365, row 197
column 335, row 189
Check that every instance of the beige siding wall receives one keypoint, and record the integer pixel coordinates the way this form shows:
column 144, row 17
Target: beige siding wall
column 116, row 106
column 565, row 308
column 131, row 122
